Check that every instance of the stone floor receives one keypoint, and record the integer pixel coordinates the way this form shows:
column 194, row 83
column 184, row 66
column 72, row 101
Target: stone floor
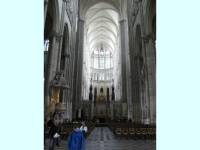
column 102, row 138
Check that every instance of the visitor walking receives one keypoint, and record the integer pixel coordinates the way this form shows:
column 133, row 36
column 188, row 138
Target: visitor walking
column 53, row 136
column 84, row 129
column 76, row 140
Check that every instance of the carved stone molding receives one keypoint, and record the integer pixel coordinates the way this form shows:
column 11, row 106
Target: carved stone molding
column 66, row 1
column 57, row 35
column 148, row 37
column 67, row 55
column 137, row 1
column 122, row 20
column 59, row 81
column 81, row 20
column 68, row 5
column 134, row 13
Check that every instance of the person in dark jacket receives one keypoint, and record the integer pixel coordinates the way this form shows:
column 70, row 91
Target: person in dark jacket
column 76, row 140
column 54, row 130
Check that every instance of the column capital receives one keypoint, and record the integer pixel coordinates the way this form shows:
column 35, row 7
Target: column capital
column 66, row 1
column 148, row 37
column 81, row 20
column 137, row 1
column 122, row 20
column 56, row 34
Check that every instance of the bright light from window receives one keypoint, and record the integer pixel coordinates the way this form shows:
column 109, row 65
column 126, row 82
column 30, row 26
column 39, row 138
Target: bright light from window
column 46, row 45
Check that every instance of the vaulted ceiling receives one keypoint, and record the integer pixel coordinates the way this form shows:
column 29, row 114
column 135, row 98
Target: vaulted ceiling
column 86, row 4
column 102, row 27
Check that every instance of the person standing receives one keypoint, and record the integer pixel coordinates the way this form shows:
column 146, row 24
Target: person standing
column 76, row 140
column 84, row 129
column 53, row 136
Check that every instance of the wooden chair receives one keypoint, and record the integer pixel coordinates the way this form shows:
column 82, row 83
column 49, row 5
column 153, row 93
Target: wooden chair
column 154, row 133
column 125, row 132
column 63, row 132
column 118, row 131
column 131, row 132
column 150, row 133
column 144, row 133
column 138, row 133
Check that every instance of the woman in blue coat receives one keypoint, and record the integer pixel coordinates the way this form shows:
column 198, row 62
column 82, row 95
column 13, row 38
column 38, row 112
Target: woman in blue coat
column 76, row 140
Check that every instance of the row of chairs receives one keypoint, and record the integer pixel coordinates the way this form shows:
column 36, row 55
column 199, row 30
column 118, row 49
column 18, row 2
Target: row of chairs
column 136, row 133
column 66, row 129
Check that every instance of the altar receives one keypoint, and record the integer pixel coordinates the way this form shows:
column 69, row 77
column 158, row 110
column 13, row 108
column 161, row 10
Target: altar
column 102, row 109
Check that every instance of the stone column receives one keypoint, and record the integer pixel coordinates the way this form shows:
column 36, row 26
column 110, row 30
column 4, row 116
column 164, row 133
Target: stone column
column 91, row 103
column 151, row 65
column 70, row 111
column 149, row 50
column 123, row 59
column 92, row 110
column 61, row 29
column 45, row 10
column 79, row 64
column 51, row 66
column 149, row 80
column 126, row 73
column 73, row 62
column 71, row 65
column 111, row 110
